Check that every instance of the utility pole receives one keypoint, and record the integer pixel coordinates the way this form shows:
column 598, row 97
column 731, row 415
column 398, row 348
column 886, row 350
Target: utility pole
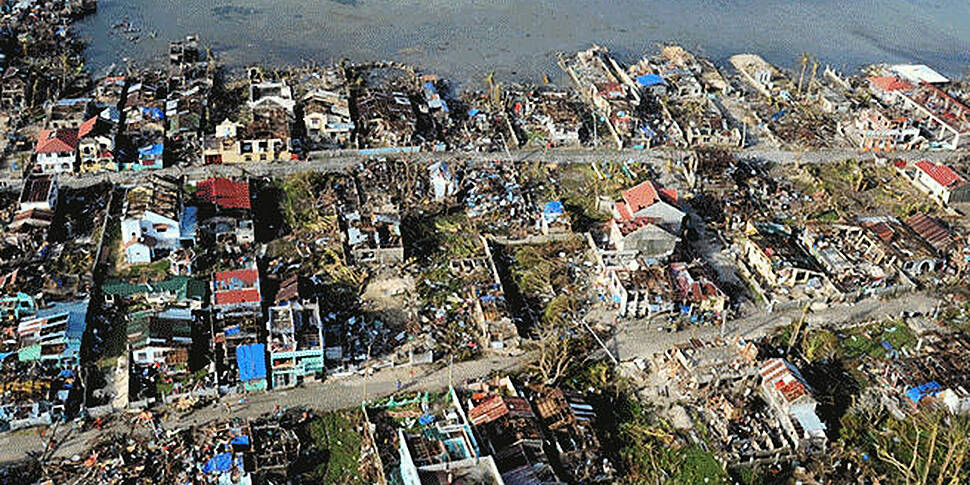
column 451, row 377
column 599, row 341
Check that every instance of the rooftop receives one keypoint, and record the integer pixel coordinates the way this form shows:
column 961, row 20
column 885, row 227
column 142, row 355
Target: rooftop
column 942, row 174
column 225, row 193
column 49, row 141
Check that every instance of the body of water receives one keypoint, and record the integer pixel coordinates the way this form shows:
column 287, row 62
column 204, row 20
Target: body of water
column 465, row 39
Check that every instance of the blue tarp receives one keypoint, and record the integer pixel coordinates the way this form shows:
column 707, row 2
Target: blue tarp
column 650, row 80
column 153, row 113
column 426, row 419
column 154, row 149
column 919, row 392
column 553, row 207
column 473, row 112
column 219, row 463
column 251, row 361
column 4, row 355
column 241, row 440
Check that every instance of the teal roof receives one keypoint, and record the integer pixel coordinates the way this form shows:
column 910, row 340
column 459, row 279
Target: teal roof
column 183, row 287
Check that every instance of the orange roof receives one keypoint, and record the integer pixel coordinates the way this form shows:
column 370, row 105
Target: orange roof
column 890, row 83
column 641, row 196
column 56, row 141
column 87, row 127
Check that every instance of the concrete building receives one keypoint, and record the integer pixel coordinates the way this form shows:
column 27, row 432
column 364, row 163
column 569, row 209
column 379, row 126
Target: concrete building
column 56, row 151
column 295, row 337
column 789, row 396
column 941, row 182
column 150, row 228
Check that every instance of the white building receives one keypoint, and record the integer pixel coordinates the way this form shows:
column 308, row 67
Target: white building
column 151, row 223
column 56, row 151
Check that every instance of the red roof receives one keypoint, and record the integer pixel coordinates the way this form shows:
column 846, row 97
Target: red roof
column 236, row 297
column 87, row 127
column 641, row 196
column 496, row 406
column 890, row 83
column 489, row 410
column 623, row 210
column 942, row 174
column 56, row 141
column 236, row 286
column 628, row 226
column 248, row 277
column 225, row 193
column 669, row 195
column 882, row 230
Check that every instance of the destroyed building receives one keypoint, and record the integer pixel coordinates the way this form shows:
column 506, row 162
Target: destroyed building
column 386, row 119
column 888, row 241
column 937, row 373
column 510, row 432
column 774, row 254
column 641, row 292
column 266, row 138
column 571, row 423
column 608, row 89
column 295, row 338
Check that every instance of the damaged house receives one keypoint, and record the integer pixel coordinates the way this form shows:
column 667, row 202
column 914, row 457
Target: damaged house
column 326, row 117
column 267, row 138
column 295, row 337
column 236, row 317
column 96, row 144
column 385, row 119
column 56, row 151
column 510, row 432
column 150, row 229
column 777, row 258
column 38, row 199
column 940, row 182
column 789, row 396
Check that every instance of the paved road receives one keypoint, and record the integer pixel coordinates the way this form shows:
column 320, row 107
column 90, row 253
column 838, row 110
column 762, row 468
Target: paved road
column 330, row 395
column 642, row 339
column 328, row 161
column 632, row 340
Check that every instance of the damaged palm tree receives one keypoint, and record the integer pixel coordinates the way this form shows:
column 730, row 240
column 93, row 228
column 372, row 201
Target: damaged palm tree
column 555, row 349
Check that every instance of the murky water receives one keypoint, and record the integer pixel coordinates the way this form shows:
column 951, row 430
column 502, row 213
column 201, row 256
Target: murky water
column 464, row 39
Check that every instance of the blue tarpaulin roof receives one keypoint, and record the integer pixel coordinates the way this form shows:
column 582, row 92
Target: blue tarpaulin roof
column 251, row 361
column 241, row 440
column 650, row 80
column 553, row 207
column 154, row 149
column 919, row 392
column 153, row 112
column 220, row 463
